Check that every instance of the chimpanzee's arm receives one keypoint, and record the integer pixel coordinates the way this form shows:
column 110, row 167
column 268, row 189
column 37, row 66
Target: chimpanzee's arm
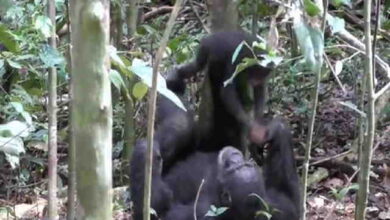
column 281, row 178
column 259, row 96
column 231, row 100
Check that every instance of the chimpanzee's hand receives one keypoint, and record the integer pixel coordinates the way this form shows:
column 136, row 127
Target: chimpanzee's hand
column 257, row 133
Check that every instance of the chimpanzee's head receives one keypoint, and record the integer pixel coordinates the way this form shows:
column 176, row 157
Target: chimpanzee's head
column 239, row 181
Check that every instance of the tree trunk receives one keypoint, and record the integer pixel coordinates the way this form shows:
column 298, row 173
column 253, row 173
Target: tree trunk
column 366, row 151
column 223, row 15
column 91, row 107
column 52, row 188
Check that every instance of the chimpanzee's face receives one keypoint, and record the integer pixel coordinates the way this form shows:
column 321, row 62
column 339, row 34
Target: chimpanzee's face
column 240, row 180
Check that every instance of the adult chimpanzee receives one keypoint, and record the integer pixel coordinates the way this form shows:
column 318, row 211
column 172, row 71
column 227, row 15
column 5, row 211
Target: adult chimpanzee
column 281, row 179
column 230, row 118
column 231, row 182
column 172, row 142
column 161, row 198
column 174, row 132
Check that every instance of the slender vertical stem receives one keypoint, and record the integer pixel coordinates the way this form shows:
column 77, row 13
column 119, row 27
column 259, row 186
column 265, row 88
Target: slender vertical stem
column 366, row 151
column 152, row 110
column 52, row 188
column 71, row 204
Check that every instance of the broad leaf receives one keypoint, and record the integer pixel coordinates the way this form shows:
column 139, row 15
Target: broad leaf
column 12, row 147
column 14, row 128
column 246, row 62
column 116, row 79
column 237, row 51
column 311, row 8
column 336, row 24
column 14, row 64
column 44, row 25
column 139, row 90
column 311, row 42
column 8, row 39
column 214, row 211
column 145, row 72
column 50, row 56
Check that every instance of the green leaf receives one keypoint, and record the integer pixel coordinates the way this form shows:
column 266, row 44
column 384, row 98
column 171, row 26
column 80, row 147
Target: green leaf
column 139, row 90
column 264, row 213
column 8, row 39
column 12, row 147
column 17, row 106
column 44, row 25
column 343, row 192
column 338, row 67
column 214, row 211
column 50, row 56
column 14, row 64
column 145, row 72
column 237, row 51
column 116, row 79
column 14, row 128
column 270, row 59
column 336, row 24
column 354, row 107
column 246, row 62
column 120, row 63
column 311, row 8
column 311, row 42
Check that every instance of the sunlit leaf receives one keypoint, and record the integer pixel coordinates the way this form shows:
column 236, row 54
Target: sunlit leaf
column 311, row 42
column 44, row 25
column 246, row 62
column 14, row 64
column 214, row 211
column 116, row 79
column 311, row 8
column 139, row 90
column 336, row 24
column 14, row 128
column 338, row 67
column 12, row 147
column 145, row 72
column 237, row 51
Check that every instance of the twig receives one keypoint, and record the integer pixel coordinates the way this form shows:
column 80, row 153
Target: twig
column 323, row 25
column 198, row 17
column 197, row 198
column 334, row 73
column 156, row 12
column 359, row 46
column 381, row 91
column 331, row 157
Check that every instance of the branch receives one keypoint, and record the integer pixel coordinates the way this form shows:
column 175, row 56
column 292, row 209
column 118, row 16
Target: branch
column 156, row 12
column 358, row 45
